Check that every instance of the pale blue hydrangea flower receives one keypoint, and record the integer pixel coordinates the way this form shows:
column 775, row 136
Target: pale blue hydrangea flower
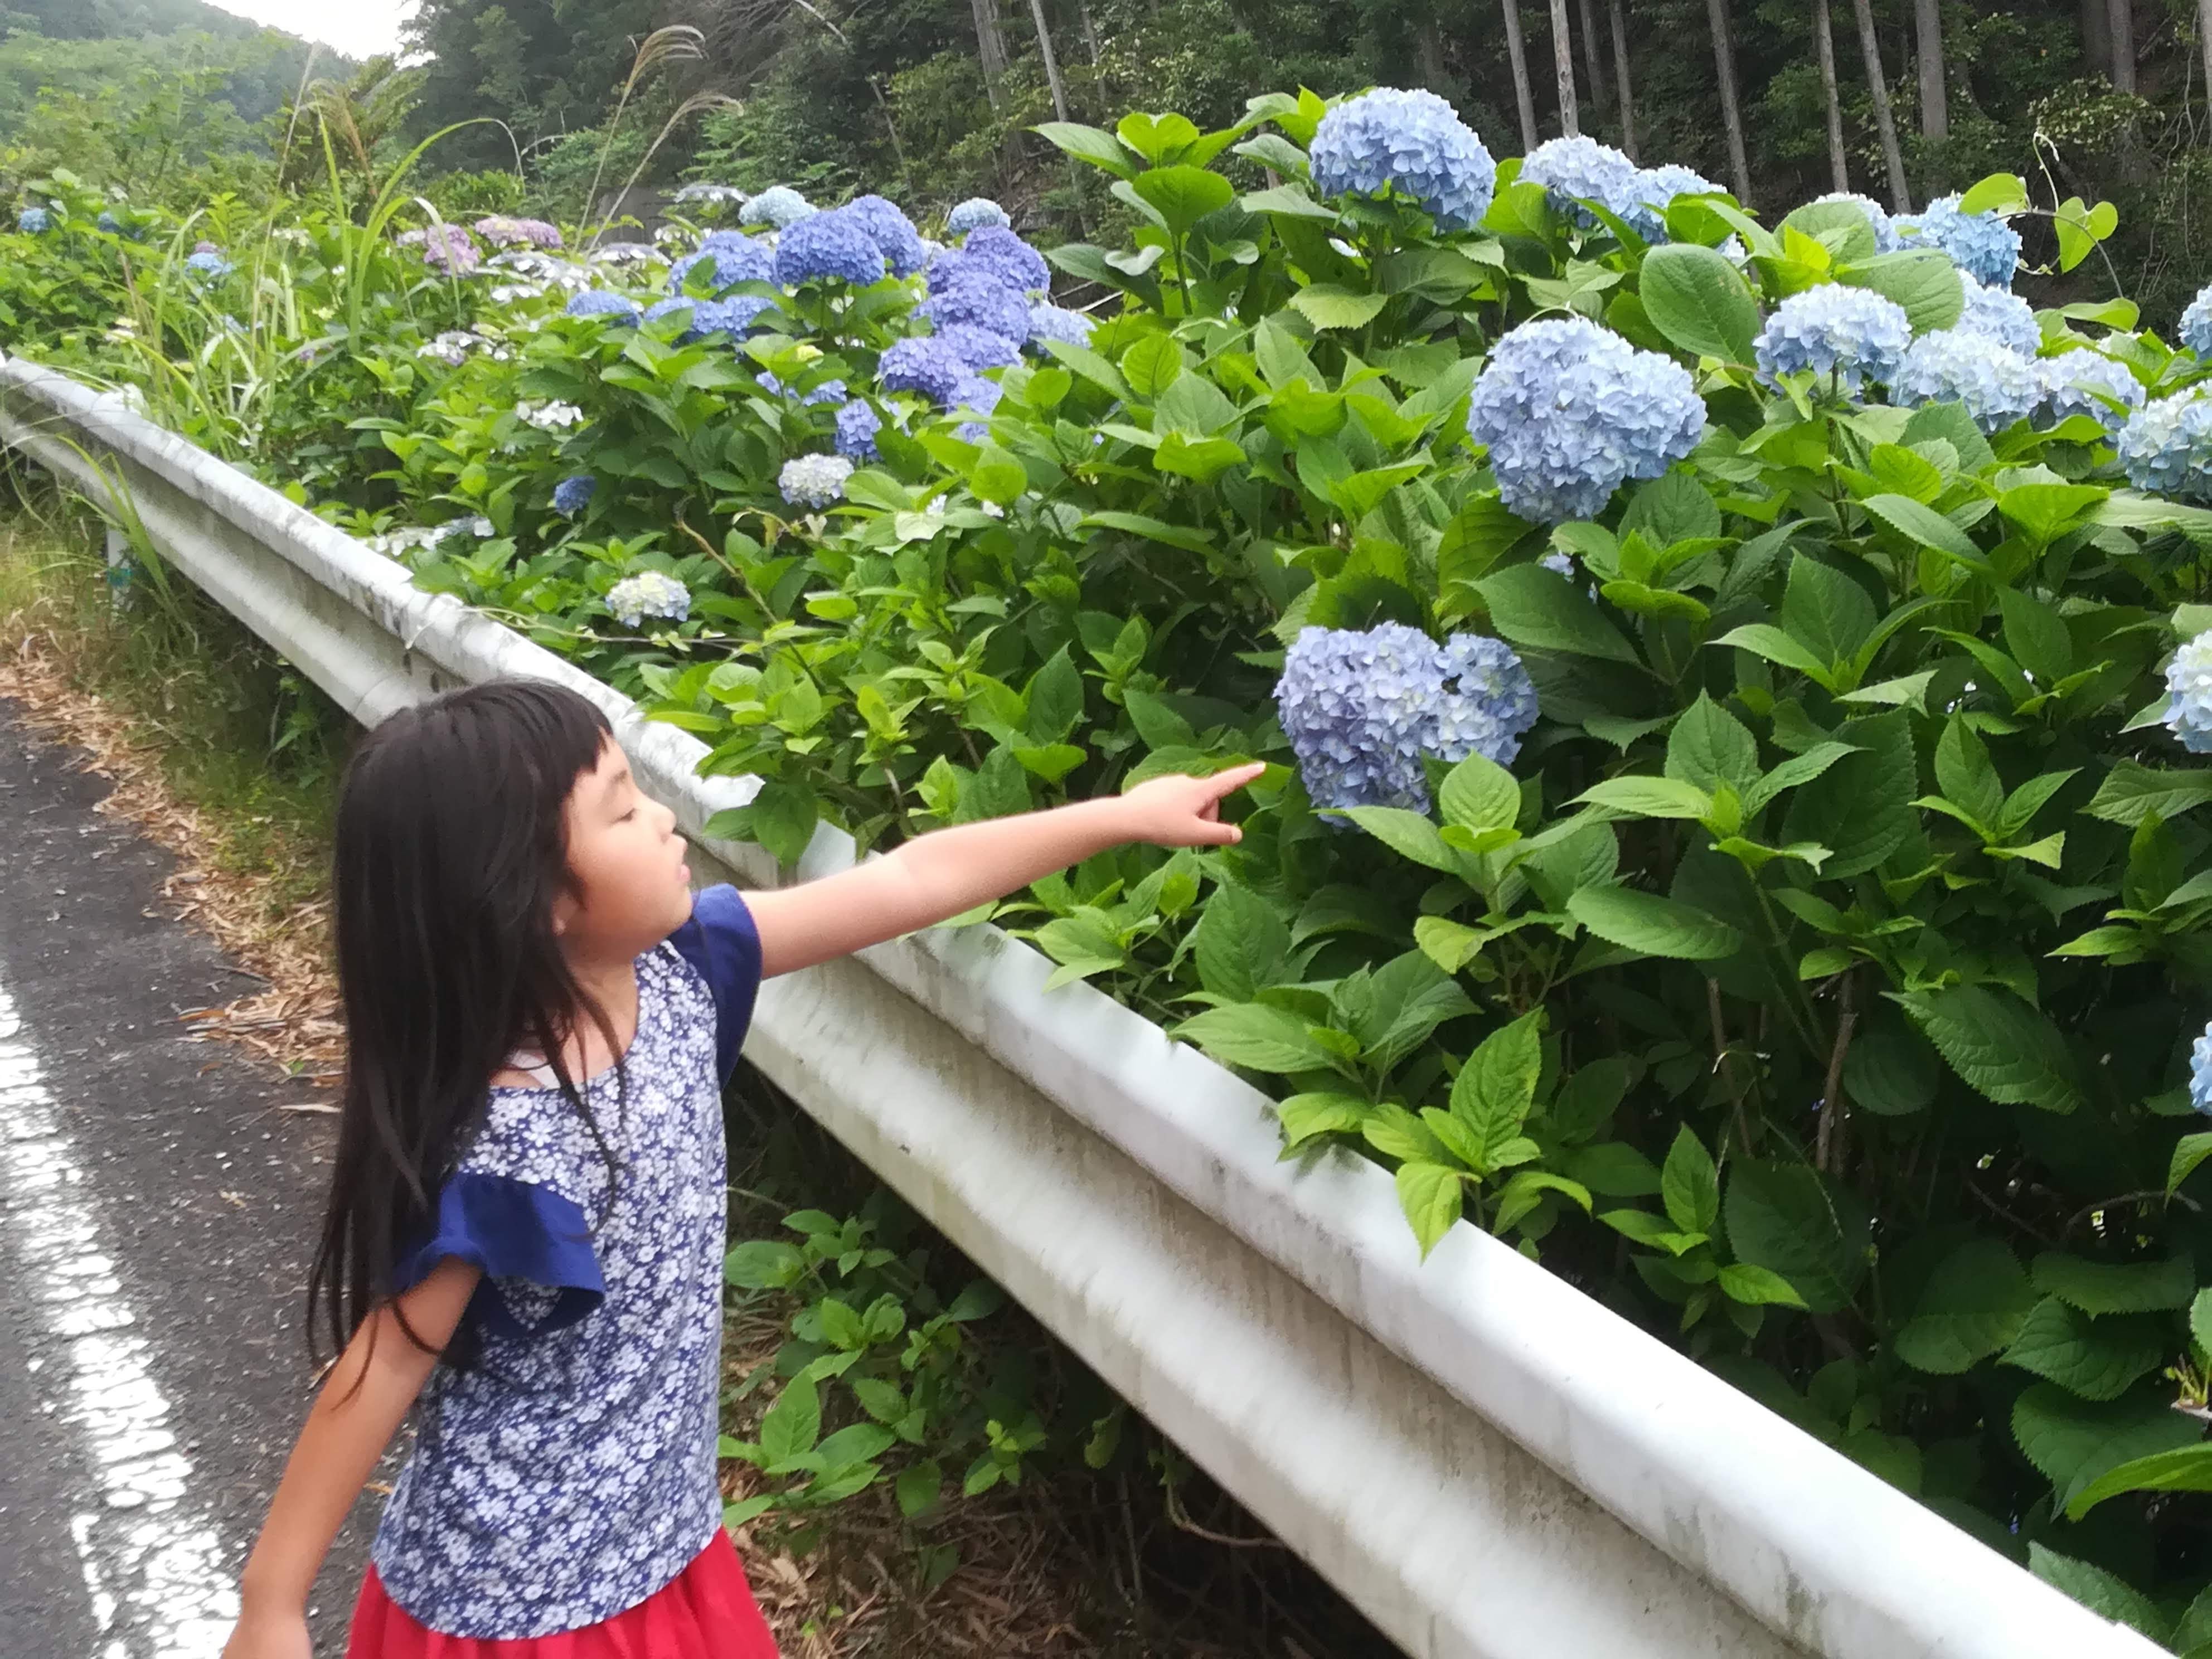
column 857, row 426
column 779, row 206
column 922, row 363
column 974, row 395
column 979, row 347
column 712, row 194
column 2167, row 446
column 740, row 259
column 2188, row 681
column 649, row 593
column 1004, row 257
column 836, row 246
column 34, row 222
column 1982, row 245
column 573, row 493
column 1651, row 191
column 1570, row 411
column 1411, row 142
column 1886, row 238
column 598, row 302
column 1852, row 334
column 2195, row 322
column 2085, row 382
column 977, row 299
column 1049, row 322
column 1362, row 709
column 975, row 212
column 1995, row 383
column 1997, row 314
column 896, row 239
column 1580, row 169
column 211, row 265
column 814, row 481
column 2200, row 1073
column 1560, row 562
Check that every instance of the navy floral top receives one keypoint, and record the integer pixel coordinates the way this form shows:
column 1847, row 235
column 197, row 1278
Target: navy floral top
column 571, row 1473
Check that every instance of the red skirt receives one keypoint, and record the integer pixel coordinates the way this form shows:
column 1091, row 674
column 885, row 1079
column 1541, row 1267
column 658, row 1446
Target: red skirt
column 706, row 1612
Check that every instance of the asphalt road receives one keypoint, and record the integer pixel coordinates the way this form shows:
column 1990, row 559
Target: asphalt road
column 157, row 1211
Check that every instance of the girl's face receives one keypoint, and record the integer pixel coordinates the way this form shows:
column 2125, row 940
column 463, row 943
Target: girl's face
column 628, row 861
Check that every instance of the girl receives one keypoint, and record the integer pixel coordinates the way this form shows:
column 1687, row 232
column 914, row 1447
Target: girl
column 527, row 1211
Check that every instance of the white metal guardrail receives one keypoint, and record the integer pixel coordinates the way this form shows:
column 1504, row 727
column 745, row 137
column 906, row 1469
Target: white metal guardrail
column 1484, row 1461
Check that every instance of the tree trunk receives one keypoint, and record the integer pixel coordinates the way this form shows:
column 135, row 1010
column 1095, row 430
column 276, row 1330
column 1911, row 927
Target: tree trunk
column 1934, row 112
column 2204, row 45
column 1563, row 61
column 2122, row 23
column 2096, row 38
column 990, row 47
column 1517, row 55
column 1892, row 157
column 1620, row 74
column 1090, row 32
column 1731, row 117
column 1428, row 41
column 1824, row 45
column 1593, row 58
column 1051, row 63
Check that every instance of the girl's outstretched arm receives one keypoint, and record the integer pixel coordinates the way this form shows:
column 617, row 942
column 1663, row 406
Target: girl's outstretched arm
column 938, row 876
column 347, row 1431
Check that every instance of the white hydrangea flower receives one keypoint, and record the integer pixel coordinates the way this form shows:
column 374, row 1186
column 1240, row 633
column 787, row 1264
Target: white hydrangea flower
column 553, row 416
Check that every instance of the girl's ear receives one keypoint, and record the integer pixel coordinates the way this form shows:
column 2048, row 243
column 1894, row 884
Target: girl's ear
column 565, row 910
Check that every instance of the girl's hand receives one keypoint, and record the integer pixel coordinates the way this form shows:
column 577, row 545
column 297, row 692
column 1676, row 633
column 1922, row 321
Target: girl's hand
column 1186, row 811
column 263, row 1635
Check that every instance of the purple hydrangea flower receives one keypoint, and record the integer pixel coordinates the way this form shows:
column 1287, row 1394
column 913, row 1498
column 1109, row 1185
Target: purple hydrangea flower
column 740, row 259
column 573, row 493
column 979, row 347
column 598, row 302
column 923, row 363
column 836, row 246
column 508, row 232
column 979, row 301
column 1362, row 708
column 896, row 238
column 999, row 253
column 857, row 426
column 1049, row 322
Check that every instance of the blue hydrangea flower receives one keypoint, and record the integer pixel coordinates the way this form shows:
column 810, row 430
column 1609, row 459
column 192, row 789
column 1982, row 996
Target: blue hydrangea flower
column 1580, row 169
column 113, row 226
column 2189, row 709
column 1982, row 245
column 1058, row 323
column 1851, row 333
column 779, row 206
column 923, row 363
column 2195, row 322
column 212, row 266
column 834, row 246
column 979, row 347
column 1886, row 238
column 2167, row 446
column 974, row 395
column 34, row 222
column 2200, row 1073
column 1003, row 256
column 740, row 259
column 731, row 317
column 598, row 302
column 573, row 493
column 1652, row 189
column 975, row 212
column 1362, row 708
column 830, row 392
column 896, row 238
column 1412, row 143
column 2084, row 382
column 649, row 593
column 857, row 426
column 814, row 481
column 1998, row 385
column 977, row 299
column 2000, row 315
column 1570, row 411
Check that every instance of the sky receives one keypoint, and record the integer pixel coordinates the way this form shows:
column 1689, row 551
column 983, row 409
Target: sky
column 359, row 28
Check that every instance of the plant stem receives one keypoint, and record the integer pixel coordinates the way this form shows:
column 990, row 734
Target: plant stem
column 1829, row 1142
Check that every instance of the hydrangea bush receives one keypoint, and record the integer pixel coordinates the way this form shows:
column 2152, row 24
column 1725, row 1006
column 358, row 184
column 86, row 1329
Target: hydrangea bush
column 1730, row 665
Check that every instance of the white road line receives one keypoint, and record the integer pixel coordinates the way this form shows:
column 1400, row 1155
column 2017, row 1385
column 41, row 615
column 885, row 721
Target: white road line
column 153, row 1567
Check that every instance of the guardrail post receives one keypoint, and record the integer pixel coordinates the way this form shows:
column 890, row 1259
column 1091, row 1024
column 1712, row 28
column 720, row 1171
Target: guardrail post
column 122, row 570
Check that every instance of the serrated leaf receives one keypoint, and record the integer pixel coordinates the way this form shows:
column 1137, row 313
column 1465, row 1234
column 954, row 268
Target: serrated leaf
column 1655, row 926
column 2073, row 1441
column 1328, row 307
column 1793, row 1221
column 791, row 1425
column 1541, row 610
column 1408, row 833
column 2185, row 1468
column 1690, row 1185
column 1258, row 1038
column 1998, row 1044
column 1430, row 1195
column 2095, row 1358
column 1649, row 798
column 1699, row 300
column 2188, row 1152
column 1971, row 1306
column 2099, row 1591
column 1478, row 793
column 1708, row 746
column 1758, row 1288
column 2116, row 1287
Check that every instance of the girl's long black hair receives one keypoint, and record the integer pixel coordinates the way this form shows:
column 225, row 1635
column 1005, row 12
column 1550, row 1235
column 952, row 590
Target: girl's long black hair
column 451, row 848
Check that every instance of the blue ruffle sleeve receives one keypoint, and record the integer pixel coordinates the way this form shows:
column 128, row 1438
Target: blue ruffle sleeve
column 723, row 943
column 512, row 1230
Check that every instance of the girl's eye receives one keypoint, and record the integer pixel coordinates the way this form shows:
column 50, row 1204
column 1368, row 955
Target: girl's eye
column 628, row 816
